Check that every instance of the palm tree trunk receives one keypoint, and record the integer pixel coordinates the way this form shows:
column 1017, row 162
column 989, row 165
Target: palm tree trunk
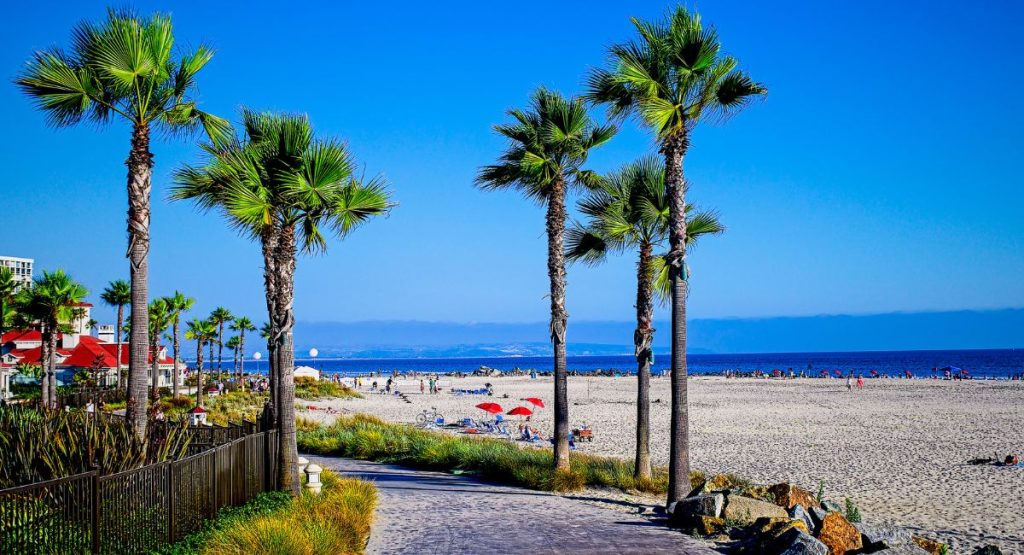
column 51, row 363
column 140, row 170
column 199, row 373
column 269, row 240
column 155, row 368
column 642, row 339
column 559, row 319
column 220, row 347
column 121, row 382
column 44, row 367
column 241, row 359
column 674, row 149
column 174, row 371
column 288, row 453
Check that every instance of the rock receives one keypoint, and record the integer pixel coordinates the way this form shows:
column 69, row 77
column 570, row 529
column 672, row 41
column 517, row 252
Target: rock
column 788, row 495
column 839, row 535
column 878, row 536
column 931, row 546
column 988, row 550
column 700, row 505
column 707, row 525
column 795, row 542
column 745, row 510
column 719, row 482
column 818, row 514
column 774, row 527
column 797, row 512
column 831, row 506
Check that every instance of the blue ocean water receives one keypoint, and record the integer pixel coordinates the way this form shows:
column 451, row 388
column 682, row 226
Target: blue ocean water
column 1001, row 363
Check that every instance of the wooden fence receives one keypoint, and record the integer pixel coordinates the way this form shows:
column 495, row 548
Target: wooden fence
column 139, row 510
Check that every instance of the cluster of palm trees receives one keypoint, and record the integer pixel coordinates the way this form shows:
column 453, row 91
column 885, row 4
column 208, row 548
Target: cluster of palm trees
column 670, row 78
column 277, row 182
column 52, row 302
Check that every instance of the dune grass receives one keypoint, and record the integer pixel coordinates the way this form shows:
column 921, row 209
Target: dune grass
column 370, row 438
column 313, row 390
column 335, row 521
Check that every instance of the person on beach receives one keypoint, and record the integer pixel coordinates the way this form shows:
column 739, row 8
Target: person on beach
column 860, row 382
column 423, row 387
column 849, row 382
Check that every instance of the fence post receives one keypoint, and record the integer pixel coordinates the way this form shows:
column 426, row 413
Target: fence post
column 214, row 488
column 95, row 482
column 170, row 502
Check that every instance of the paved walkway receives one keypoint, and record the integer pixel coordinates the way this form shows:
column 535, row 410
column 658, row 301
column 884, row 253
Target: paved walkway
column 431, row 512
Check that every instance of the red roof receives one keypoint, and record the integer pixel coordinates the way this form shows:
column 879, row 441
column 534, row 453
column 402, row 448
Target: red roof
column 21, row 335
column 197, row 410
column 86, row 354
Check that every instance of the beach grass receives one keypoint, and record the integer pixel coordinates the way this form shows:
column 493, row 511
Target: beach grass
column 310, row 389
column 370, row 438
column 335, row 521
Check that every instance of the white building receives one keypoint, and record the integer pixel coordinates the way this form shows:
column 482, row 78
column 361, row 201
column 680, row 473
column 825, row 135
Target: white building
column 20, row 267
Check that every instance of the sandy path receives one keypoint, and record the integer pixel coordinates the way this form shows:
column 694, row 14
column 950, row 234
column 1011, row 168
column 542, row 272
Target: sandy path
column 898, row 448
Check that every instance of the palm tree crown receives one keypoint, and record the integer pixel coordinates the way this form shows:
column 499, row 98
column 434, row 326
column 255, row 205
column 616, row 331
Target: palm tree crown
column 673, row 77
column 117, row 294
column 548, row 144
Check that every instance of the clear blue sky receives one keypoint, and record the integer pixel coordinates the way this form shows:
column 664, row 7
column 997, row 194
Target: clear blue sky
column 881, row 174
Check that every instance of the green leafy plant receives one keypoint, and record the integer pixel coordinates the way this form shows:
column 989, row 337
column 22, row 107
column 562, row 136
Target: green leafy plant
column 852, row 512
column 821, row 492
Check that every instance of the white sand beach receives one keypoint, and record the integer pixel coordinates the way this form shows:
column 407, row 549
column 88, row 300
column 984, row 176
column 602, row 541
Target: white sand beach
column 898, row 448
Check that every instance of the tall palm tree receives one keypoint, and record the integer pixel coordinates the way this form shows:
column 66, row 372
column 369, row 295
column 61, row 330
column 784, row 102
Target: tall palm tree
column 241, row 325
column 548, row 145
column 119, row 294
column 220, row 316
column 283, row 186
column 53, row 301
column 124, row 68
column 159, row 318
column 630, row 211
column 178, row 304
column 672, row 78
column 200, row 331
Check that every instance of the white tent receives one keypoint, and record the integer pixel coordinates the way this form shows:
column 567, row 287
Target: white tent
column 307, row 372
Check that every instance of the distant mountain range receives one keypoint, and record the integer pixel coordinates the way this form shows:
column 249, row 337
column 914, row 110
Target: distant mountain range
column 966, row 329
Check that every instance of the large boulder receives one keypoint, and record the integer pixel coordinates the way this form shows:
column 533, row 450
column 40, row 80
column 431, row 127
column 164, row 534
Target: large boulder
column 831, row 506
column 720, row 483
column 699, row 505
column 788, row 496
column 744, row 510
column 797, row 512
column 879, row 536
column 795, row 542
column 818, row 514
column 839, row 535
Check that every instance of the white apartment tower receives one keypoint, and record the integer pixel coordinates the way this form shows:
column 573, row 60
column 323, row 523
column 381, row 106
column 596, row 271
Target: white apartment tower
column 20, row 267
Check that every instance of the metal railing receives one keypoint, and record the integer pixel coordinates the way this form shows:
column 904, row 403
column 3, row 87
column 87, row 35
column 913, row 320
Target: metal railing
column 138, row 510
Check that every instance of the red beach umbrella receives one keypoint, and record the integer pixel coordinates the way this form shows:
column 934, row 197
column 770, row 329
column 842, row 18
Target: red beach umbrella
column 534, row 401
column 493, row 408
column 838, row 372
column 520, row 411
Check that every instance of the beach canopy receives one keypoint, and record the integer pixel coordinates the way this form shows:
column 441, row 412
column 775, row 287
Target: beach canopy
column 493, row 408
column 520, row 411
column 534, row 401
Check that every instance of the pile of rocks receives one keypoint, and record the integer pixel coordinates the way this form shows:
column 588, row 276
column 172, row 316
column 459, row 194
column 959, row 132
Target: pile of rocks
column 784, row 519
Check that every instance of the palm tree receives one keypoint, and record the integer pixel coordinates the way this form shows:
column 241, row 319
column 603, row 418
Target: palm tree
column 159, row 318
column 233, row 343
column 672, row 78
column 178, row 304
column 200, row 331
column 52, row 301
column 242, row 324
column 630, row 211
column 220, row 316
column 548, row 144
column 119, row 294
column 8, row 286
column 281, row 185
column 123, row 67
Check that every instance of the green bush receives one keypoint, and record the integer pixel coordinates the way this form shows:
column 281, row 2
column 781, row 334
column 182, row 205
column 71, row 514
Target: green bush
column 310, row 389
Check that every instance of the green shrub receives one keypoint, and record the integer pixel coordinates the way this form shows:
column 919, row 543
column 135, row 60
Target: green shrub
column 852, row 512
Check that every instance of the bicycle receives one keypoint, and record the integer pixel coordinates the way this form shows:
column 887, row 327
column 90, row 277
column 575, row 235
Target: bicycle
column 429, row 417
